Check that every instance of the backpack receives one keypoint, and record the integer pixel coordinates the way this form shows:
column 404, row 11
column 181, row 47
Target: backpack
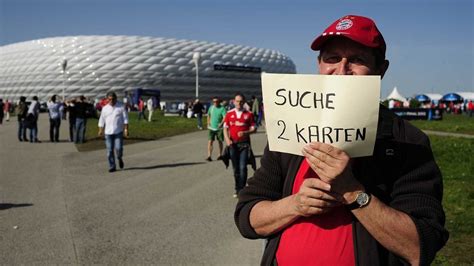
column 21, row 110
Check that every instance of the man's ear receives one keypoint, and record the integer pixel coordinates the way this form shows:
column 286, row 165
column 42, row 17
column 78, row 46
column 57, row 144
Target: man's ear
column 384, row 67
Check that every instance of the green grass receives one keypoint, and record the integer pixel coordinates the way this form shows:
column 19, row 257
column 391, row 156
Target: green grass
column 161, row 126
column 455, row 157
column 450, row 123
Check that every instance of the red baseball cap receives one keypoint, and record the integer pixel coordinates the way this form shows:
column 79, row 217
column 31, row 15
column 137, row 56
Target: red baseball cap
column 357, row 28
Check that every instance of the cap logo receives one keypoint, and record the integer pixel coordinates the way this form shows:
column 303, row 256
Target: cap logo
column 344, row 24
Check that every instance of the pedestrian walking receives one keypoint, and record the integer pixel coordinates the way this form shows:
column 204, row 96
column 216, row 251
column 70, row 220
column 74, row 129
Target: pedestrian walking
column 113, row 122
column 1, row 111
column 21, row 111
column 71, row 116
column 150, row 106
column 215, row 121
column 198, row 109
column 55, row 109
column 6, row 109
column 141, row 109
column 239, row 123
column 81, row 112
column 255, row 109
column 32, row 119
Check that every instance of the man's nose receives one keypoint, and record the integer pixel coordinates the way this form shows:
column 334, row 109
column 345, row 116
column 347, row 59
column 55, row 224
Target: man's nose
column 343, row 67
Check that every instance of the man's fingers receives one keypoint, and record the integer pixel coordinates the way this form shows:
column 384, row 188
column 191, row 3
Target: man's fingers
column 316, row 183
column 325, row 148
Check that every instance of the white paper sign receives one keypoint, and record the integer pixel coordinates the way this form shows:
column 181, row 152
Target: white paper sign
column 337, row 110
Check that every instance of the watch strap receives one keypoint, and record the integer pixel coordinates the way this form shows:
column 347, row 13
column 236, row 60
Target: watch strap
column 356, row 204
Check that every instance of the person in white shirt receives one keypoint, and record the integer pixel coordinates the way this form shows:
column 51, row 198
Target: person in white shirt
column 32, row 117
column 113, row 122
column 150, row 106
column 55, row 110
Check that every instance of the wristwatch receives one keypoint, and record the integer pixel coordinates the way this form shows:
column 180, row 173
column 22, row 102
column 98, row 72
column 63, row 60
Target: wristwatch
column 361, row 201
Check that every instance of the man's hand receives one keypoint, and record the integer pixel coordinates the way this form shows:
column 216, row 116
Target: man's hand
column 125, row 132
column 101, row 132
column 333, row 167
column 314, row 197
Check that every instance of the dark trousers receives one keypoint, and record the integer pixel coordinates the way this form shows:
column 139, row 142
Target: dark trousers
column 239, row 154
column 54, row 124
column 21, row 131
column 72, row 128
column 199, row 120
column 141, row 114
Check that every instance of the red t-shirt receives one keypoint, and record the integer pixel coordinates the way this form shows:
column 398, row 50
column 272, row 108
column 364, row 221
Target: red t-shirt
column 317, row 240
column 237, row 124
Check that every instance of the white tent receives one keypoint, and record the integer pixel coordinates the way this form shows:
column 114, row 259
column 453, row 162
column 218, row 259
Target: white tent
column 466, row 95
column 395, row 95
column 434, row 96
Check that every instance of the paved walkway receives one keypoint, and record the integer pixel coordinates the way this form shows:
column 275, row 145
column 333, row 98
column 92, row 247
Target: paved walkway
column 168, row 206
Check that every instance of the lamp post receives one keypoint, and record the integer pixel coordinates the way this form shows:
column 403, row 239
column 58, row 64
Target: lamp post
column 64, row 66
column 196, row 57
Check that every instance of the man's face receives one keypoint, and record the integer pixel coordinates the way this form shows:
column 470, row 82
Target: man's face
column 215, row 102
column 238, row 102
column 342, row 56
column 112, row 100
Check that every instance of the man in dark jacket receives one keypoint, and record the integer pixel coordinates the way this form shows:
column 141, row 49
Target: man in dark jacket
column 328, row 209
column 198, row 109
column 21, row 111
column 80, row 110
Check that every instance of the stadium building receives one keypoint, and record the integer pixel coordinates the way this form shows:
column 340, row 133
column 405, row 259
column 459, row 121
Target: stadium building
column 94, row 65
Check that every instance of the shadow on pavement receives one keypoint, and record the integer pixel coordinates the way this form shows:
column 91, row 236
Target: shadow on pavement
column 160, row 166
column 6, row 206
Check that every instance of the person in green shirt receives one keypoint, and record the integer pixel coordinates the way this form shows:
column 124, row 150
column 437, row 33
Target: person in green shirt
column 215, row 119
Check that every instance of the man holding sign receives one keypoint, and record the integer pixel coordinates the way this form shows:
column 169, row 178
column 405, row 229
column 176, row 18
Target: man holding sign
column 327, row 207
column 238, row 125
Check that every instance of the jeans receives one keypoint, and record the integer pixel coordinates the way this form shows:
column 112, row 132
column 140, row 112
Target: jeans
column 54, row 125
column 199, row 120
column 114, row 142
column 80, row 130
column 21, row 131
column 239, row 154
column 34, row 132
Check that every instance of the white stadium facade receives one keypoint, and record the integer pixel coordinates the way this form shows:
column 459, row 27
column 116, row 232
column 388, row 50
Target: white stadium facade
column 93, row 65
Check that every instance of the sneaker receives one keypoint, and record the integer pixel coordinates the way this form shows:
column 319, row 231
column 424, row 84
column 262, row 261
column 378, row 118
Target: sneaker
column 209, row 159
column 121, row 164
column 219, row 158
column 235, row 195
column 111, row 170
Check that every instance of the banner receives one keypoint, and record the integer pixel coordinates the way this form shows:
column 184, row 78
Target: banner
column 337, row 110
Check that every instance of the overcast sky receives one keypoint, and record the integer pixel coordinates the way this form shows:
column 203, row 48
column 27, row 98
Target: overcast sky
column 429, row 42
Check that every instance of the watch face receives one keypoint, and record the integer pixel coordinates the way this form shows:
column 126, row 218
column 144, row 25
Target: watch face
column 362, row 199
